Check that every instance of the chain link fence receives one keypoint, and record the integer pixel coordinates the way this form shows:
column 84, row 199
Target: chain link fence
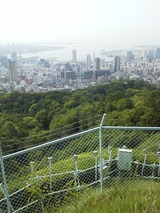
column 47, row 175
column 136, row 151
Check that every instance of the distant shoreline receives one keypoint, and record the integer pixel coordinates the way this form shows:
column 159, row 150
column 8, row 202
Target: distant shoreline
column 27, row 48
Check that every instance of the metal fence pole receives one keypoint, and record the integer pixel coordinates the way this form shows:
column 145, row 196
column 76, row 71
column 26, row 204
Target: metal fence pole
column 95, row 160
column 50, row 171
column 144, row 162
column 75, row 157
column 100, row 150
column 4, row 181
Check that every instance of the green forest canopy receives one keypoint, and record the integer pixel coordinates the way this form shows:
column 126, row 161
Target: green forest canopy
column 44, row 116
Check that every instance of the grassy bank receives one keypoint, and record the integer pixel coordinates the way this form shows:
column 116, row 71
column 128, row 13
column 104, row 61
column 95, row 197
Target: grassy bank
column 121, row 197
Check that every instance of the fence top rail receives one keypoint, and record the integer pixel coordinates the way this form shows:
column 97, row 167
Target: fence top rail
column 49, row 143
column 77, row 135
column 131, row 128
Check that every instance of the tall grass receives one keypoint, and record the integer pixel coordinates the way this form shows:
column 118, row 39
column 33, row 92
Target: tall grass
column 134, row 196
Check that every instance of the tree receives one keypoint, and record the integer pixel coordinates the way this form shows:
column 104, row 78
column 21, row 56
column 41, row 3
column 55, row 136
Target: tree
column 42, row 118
column 10, row 130
column 31, row 125
column 124, row 103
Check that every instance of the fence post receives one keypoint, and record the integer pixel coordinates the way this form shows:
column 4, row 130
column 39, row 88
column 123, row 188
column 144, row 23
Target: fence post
column 100, row 150
column 95, row 160
column 4, row 181
column 144, row 162
column 50, row 171
column 75, row 157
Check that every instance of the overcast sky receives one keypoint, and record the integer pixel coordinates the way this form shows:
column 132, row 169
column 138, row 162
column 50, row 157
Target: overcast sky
column 109, row 22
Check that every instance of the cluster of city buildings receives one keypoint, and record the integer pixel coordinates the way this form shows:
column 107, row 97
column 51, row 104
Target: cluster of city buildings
column 40, row 75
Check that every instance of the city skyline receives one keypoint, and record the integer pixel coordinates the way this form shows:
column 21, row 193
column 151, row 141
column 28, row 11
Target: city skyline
column 37, row 74
column 105, row 22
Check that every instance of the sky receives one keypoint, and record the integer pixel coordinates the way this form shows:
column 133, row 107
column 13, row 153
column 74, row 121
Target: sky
column 109, row 22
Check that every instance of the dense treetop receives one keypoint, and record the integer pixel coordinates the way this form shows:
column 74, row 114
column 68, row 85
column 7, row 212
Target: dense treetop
column 30, row 118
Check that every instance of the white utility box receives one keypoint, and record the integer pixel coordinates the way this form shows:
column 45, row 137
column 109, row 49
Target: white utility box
column 124, row 159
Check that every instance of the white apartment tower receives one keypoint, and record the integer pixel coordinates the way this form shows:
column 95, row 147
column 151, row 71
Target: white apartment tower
column 74, row 56
column 97, row 64
column 13, row 77
column 88, row 61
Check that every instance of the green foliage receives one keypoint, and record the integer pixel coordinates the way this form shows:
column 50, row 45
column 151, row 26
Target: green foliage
column 10, row 130
column 124, row 103
column 31, row 124
column 46, row 116
column 122, row 197
column 60, row 113
column 42, row 118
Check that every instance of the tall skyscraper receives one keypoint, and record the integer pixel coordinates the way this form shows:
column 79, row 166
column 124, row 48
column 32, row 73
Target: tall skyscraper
column 97, row 64
column 158, row 53
column 150, row 55
column 74, row 56
column 14, row 56
column 4, row 61
column 117, row 64
column 13, row 77
column 88, row 62
column 94, row 56
column 129, row 56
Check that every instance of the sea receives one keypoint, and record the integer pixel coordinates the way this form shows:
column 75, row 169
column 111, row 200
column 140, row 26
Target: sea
column 65, row 53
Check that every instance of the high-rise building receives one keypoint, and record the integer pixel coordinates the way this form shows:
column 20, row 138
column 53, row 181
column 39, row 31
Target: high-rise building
column 150, row 55
column 117, row 64
column 129, row 56
column 94, row 56
column 67, row 67
column 158, row 53
column 13, row 77
column 105, row 73
column 4, row 61
column 14, row 56
column 97, row 64
column 88, row 74
column 88, row 62
column 74, row 56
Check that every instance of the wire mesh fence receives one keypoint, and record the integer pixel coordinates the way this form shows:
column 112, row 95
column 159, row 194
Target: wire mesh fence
column 134, row 148
column 49, row 174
